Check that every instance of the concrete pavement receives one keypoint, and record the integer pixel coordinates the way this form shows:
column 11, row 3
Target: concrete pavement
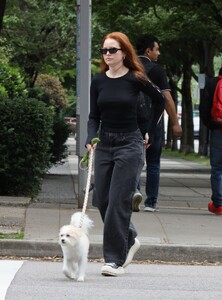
column 182, row 231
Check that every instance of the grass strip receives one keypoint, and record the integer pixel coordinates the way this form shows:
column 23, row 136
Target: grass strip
column 202, row 160
column 12, row 235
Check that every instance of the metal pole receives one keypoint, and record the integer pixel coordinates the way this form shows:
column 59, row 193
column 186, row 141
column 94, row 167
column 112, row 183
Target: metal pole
column 83, row 66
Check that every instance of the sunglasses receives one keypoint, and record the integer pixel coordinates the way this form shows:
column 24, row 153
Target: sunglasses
column 111, row 50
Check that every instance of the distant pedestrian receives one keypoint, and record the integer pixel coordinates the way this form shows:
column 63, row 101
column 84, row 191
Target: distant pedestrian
column 119, row 154
column 215, row 206
column 148, row 51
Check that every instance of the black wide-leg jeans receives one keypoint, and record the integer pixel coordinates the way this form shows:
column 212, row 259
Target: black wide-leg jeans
column 119, row 157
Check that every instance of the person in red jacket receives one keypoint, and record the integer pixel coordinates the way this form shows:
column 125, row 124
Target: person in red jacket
column 214, row 206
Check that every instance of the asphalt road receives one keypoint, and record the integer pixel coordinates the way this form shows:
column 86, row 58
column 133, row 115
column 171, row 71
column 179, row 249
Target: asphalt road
column 43, row 280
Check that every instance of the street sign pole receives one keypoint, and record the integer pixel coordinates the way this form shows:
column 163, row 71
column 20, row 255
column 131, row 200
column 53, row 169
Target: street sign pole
column 83, row 66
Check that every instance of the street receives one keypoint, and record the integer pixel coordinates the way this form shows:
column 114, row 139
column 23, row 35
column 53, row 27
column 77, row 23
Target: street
column 183, row 230
column 43, row 280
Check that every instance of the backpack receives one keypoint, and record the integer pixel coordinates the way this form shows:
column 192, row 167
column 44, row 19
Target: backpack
column 216, row 110
column 148, row 113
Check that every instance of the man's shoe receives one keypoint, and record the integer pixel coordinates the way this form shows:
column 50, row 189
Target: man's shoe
column 215, row 210
column 151, row 208
column 135, row 247
column 112, row 269
column 137, row 199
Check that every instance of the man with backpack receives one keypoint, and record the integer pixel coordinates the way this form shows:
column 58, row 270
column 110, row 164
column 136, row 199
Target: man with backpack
column 148, row 51
column 211, row 116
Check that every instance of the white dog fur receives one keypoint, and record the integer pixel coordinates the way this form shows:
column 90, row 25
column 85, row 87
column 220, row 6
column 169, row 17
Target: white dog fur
column 74, row 242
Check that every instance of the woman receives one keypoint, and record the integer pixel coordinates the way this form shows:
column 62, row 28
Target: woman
column 119, row 154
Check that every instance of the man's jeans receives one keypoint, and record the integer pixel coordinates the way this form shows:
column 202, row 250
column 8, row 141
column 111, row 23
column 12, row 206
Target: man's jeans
column 118, row 160
column 153, row 154
column 216, row 166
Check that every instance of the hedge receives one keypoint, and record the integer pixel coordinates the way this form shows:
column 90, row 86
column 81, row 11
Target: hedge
column 25, row 139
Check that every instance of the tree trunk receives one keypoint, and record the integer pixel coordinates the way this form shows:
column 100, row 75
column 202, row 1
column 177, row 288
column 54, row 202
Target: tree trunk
column 2, row 11
column 173, row 85
column 187, row 141
column 206, row 67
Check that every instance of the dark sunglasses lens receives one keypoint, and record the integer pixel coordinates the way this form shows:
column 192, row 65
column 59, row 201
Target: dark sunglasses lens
column 103, row 51
column 111, row 50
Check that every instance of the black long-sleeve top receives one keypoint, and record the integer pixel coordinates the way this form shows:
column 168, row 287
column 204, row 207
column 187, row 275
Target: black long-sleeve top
column 113, row 102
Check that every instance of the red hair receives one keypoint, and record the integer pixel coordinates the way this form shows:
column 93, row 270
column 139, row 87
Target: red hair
column 131, row 60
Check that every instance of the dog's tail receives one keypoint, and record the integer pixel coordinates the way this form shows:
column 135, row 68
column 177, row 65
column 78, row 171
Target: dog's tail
column 87, row 223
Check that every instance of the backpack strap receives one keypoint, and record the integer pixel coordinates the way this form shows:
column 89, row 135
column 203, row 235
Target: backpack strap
column 149, row 112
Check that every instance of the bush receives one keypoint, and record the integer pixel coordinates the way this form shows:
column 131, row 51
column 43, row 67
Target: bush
column 53, row 89
column 61, row 132
column 12, row 83
column 25, row 135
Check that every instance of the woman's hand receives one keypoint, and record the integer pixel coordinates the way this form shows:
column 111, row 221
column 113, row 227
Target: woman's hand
column 93, row 144
column 89, row 147
column 85, row 159
column 146, row 141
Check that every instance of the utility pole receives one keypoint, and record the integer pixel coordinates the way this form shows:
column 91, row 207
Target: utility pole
column 83, row 66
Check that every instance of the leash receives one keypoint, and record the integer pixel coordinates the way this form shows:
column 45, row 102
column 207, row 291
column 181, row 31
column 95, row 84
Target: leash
column 87, row 190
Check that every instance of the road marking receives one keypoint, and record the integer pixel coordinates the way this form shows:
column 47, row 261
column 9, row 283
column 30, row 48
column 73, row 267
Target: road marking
column 8, row 269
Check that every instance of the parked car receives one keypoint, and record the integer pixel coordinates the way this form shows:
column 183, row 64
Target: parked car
column 72, row 122
column 196, row 123
column 196, row 120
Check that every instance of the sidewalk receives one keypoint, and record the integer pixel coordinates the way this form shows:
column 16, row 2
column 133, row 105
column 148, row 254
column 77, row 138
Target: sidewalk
column 183, row 230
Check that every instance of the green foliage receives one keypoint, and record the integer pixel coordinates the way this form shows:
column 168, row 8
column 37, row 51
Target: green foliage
column 11, row 82
column 61, row 132
column 25, row 135
column 41, row 35
column 49, row 89
column 70, row 110
column 38, row 93
column 53, row 90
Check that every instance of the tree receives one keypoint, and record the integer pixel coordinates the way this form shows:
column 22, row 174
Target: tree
column 179, row 26
column 42, row 38
column 41, row 35
column 199, row 36
column 2, row 11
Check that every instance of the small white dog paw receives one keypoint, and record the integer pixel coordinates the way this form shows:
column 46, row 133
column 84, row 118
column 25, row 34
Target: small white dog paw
column 80, row 279
column 69, row 275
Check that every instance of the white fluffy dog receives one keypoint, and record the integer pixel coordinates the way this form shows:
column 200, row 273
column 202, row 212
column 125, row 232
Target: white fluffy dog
column 74, row 242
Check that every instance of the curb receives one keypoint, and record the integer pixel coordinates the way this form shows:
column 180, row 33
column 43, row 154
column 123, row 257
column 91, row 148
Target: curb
column 184, row 171
column 163, row 253
column 15, row 201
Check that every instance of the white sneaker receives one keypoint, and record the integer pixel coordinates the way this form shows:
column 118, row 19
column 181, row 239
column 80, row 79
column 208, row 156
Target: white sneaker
column 111, row 269
column 151, row 208
column 132, row 251
column 137, row 199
